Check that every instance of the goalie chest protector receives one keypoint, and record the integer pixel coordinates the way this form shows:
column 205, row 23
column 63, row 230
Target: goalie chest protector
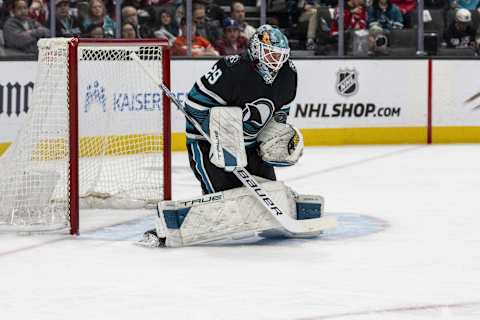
column 233, row 81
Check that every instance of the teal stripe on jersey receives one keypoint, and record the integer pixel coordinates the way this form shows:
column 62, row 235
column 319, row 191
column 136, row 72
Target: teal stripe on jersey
column 197, row 114
column 201, row 98
column 197, row 157
column 285, row 109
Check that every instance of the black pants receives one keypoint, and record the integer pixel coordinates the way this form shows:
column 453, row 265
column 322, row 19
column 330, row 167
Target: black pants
column 213, row 178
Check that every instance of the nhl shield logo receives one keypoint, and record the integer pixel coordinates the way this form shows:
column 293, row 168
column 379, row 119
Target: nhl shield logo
column 347, row 82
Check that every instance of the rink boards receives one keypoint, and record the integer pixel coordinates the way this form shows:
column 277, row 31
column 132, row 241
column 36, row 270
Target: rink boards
column 338, row 101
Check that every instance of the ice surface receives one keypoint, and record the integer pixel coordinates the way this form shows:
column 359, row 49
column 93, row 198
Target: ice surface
column 407, row 247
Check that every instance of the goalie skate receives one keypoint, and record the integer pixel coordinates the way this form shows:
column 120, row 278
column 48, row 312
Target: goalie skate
column 150, row 239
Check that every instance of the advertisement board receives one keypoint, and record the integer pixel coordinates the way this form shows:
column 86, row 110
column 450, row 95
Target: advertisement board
column 361, row 101
column 16, row 92
column 361, row 93
column 338, row 101
column 456, row 101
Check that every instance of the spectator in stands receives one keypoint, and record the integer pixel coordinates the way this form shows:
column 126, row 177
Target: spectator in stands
column 206, row 28
column 167, row 22
column 407, row 7
column 466, row 4
column 354, row 17
column 214, row 11
column 82, row 12
column 384, row 14
column 66, row 25
column 97, row 15
column 168, row 5
column 137, row 4
column 274, row 21
column 95, row 31
column 237, row 12
column 453, row 5
column 309, row 13
column 179, row 14
column 167, row 27
column 232, row 42
column 21, row 32
column 200, row 45
column 477, row 40
column 38, row 11
column 128, row 31
column 4, row 12
column 292, row 12
column 460, row 33
column 130, row 15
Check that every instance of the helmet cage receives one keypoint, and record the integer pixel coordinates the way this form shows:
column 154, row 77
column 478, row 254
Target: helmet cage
column 273, row 57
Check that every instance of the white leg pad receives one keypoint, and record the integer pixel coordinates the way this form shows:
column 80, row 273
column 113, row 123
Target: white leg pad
column 231, row 215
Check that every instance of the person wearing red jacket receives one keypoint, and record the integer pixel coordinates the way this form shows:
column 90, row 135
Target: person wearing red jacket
column 354, row 17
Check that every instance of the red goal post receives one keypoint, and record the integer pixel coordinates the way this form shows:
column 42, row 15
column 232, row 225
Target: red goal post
column 97, row 135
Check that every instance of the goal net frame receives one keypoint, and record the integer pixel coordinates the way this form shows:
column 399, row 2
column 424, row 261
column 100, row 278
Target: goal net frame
column 161, row 142
column 73, row 121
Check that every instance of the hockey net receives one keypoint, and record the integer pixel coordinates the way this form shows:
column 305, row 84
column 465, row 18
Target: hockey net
column 97, row 135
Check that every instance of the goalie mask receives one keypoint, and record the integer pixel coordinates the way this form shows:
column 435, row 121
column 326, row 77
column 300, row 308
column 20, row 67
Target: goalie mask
column 268, row 49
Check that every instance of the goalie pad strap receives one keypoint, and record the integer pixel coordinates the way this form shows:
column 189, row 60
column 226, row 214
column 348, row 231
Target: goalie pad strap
column 226, row 133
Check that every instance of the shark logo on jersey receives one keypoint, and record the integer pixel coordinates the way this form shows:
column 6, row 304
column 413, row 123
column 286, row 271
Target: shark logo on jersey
column 256, row 114
column 95, row 93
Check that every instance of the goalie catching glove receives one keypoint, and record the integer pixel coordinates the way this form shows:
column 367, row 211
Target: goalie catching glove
column 281, row 144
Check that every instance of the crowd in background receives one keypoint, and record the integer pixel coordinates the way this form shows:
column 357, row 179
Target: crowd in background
column 224, row 27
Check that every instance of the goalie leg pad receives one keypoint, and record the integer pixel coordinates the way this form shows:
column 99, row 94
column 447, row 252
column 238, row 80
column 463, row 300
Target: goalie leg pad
column 231, row 215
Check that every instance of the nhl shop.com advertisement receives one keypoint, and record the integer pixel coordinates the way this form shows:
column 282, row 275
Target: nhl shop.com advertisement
column 360, row 93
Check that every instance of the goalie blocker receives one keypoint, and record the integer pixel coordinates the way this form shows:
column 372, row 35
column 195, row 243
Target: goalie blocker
column 233, row 215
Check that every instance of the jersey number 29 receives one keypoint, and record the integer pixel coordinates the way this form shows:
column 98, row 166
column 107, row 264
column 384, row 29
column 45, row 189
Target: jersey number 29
column 213, row 75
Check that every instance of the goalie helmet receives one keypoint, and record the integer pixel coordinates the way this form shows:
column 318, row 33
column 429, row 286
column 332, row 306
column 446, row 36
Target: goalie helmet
column 268, row 49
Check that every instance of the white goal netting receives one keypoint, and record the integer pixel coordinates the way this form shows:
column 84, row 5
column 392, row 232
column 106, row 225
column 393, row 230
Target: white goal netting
column 120, row 135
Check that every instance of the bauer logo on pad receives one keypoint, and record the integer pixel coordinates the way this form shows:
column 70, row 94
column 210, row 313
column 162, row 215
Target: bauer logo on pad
column 347, row 82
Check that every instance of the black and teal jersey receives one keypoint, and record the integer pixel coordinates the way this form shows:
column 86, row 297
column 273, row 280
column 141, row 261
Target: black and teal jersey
column 233, row 81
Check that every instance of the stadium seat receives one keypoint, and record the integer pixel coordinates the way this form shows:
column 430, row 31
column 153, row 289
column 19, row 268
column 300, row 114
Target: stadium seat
column 475, row 19
column 402, row 52
column 456, row 52
column 437, row 24
column 403, row 38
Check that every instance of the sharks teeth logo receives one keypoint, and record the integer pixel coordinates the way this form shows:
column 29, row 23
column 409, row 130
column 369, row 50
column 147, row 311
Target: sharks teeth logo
column 95, row 94
column 347, row 82
column 256, row 114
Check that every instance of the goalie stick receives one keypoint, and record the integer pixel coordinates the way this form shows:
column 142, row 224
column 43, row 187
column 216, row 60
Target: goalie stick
column 293, row 226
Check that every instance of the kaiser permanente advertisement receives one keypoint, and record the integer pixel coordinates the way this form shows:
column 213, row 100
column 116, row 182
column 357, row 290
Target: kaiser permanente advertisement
column 338, row 101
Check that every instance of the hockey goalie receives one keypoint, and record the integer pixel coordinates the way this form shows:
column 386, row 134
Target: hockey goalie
column 237, row 123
